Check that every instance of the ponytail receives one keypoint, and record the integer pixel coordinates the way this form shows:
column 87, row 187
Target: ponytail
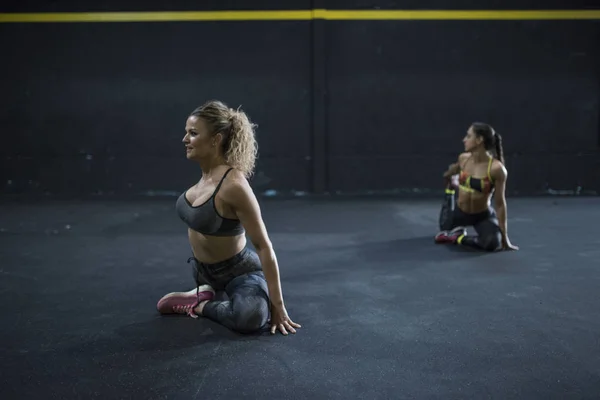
column 241, row 148
column 499, row 148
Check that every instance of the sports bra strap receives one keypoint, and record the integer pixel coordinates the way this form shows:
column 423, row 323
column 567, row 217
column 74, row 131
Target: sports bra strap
column 221, row 181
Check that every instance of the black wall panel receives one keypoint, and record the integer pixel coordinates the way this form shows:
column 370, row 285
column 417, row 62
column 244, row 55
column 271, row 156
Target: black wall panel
column 342, row 106
column 403, row 93
column 102, row 107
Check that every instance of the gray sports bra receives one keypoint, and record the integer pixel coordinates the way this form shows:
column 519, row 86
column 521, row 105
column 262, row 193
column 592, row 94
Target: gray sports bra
column 205, row 218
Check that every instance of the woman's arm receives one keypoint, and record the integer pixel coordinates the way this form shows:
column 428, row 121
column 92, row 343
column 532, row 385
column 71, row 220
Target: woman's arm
column 240, row 196
column 454, row 168
column 500, row 174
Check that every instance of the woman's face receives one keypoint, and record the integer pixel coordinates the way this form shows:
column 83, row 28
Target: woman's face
column 471, row 140
column 199, row 143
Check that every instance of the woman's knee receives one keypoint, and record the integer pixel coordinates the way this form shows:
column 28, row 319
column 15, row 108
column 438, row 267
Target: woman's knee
column 250, row 314
column 491, row 242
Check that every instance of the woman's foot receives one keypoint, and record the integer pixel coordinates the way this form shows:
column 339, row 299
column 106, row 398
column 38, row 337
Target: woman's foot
column 185, row 302
column 450, row 236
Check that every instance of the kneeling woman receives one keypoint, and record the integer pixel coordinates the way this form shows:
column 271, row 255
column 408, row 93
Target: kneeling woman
column 480, row 176
column 219, row 210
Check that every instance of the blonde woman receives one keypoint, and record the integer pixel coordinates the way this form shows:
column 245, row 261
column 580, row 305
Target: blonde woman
column 219, row 211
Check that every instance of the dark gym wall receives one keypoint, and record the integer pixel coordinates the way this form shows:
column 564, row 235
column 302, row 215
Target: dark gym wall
column 342, row 106
column 101, row 107
column 402, row 94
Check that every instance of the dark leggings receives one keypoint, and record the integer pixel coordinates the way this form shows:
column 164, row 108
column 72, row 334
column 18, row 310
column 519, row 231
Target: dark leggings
column 241, row 278
column 489, row 235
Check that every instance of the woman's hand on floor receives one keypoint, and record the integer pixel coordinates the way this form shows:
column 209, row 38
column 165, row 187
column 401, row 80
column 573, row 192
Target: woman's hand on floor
column 507, row 245
column 280, row 320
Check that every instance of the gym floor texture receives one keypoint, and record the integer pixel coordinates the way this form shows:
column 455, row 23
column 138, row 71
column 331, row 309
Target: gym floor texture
column 385, row 313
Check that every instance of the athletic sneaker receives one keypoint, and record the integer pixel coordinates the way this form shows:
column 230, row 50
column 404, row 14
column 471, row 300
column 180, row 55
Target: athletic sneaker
column 185, row 302
column 450, row 236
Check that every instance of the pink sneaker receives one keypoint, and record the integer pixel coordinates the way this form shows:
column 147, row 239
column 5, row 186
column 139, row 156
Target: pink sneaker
column 450, row 236
column 185, row 302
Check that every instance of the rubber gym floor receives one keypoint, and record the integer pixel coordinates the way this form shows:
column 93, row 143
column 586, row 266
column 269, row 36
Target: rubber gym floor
column 385, row 313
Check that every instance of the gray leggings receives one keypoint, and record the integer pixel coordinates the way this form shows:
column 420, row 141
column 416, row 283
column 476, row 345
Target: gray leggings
column 241, row 278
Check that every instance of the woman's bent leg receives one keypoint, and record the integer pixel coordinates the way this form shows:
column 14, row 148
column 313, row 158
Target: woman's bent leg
column 489, row 235
column 247, row 309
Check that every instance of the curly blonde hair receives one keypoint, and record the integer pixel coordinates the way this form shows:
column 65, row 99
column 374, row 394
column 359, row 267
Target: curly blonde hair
column 239, row 145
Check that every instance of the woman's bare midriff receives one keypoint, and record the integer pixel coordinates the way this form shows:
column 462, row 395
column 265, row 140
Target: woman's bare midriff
column 213, row 249
column 472, row 203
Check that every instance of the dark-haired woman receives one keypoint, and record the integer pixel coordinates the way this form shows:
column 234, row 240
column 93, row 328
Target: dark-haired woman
column 481, row 175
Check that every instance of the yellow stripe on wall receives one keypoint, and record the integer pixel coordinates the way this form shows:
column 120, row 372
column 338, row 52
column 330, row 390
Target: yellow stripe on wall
column 460, row 14
column 158, row 16
column 283, row 15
